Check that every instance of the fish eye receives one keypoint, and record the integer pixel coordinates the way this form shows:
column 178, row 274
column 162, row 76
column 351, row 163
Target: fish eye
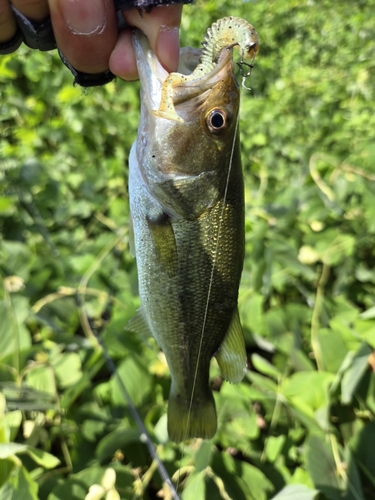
column 217, row 120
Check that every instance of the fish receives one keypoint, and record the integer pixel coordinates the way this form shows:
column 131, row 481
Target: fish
column 186, row 197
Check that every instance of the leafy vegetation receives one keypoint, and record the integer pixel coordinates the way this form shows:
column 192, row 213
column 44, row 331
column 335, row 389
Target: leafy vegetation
column 301, row 425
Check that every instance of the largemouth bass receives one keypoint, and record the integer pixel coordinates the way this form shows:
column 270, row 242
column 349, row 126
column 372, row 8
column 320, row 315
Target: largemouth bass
column 187, row 211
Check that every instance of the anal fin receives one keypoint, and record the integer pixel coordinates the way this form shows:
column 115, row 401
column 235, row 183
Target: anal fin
column 231, row 355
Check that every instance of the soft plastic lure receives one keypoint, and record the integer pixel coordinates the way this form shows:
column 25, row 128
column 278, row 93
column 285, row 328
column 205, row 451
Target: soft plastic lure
column 225, row 33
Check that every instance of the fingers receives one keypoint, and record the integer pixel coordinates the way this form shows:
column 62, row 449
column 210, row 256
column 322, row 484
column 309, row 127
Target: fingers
column 8, row 24
column 35, row 10
column 122, row 61
column 161, row 26
column 85, row 31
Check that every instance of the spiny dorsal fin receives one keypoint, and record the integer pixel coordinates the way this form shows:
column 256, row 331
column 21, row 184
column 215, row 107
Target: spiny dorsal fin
column 231, row 355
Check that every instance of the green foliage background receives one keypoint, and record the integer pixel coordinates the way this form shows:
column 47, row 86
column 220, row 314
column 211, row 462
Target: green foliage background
column 301, row 425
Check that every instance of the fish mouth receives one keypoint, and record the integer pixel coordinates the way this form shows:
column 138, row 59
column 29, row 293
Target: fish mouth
column 152, row 74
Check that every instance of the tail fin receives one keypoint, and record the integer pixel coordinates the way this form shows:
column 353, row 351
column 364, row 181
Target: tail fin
column 200, row 421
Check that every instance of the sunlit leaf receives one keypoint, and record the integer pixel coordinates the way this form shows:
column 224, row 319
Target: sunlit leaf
column 354, row 373
column 264, row 366
column 40, row 457
column 255, row 483
column 195, row 486
column 322, row 467
column 203, row 455
column 296, row 492
column 9, row 449
column 274, row 446
column 136, row 380
column 362, row 445
column 43, row 458
column 42, row 378
column 20, row 485
column 68, row 369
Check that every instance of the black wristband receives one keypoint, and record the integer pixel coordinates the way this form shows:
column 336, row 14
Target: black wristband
column 36, row 35
column 12, row 44
column 87, row 79
column 40, row 36
column 146, row 4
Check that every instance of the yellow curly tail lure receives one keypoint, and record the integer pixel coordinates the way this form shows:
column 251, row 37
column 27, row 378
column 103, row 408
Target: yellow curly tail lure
column 225, row 33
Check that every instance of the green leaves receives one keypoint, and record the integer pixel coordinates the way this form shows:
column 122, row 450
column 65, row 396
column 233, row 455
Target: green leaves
column 195, row 487
column 14, row 337
column 41, row 458
column 16, row 481
column 354, row 373
column 362, row 448
column 19, row 485
column 296, row 492
column 300, row 426
column 135, row 378
column 94, row 480
column 333, row 470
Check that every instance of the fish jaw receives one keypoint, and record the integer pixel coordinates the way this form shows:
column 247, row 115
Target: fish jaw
column 151, row 72
column 188, row 97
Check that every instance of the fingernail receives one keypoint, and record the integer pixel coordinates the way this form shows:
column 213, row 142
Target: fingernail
column 168, row 47
column 83, row 17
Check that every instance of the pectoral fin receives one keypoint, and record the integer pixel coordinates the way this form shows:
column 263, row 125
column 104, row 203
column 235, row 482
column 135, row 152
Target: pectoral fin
column 164, row 242
column 231, row 355
column 138, row 324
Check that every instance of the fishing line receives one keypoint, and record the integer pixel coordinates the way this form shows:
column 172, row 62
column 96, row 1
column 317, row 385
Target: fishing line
column 212, row 271
column 144, row 436
column 244, row 74
column 210, row 286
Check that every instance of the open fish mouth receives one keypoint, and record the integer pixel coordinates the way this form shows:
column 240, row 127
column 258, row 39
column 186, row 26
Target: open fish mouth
column 152, row 75
column 199, row 70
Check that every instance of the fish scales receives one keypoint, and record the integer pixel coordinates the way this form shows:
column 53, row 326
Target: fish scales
column 187, row 209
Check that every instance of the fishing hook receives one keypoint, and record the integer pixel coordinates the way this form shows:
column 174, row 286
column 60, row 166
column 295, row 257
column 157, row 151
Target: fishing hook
column 245, row 74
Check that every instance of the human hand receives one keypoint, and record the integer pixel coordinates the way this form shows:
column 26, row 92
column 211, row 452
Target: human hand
column 86, row 32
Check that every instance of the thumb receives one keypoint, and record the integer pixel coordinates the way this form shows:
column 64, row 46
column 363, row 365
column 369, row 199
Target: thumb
column 161, row 26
